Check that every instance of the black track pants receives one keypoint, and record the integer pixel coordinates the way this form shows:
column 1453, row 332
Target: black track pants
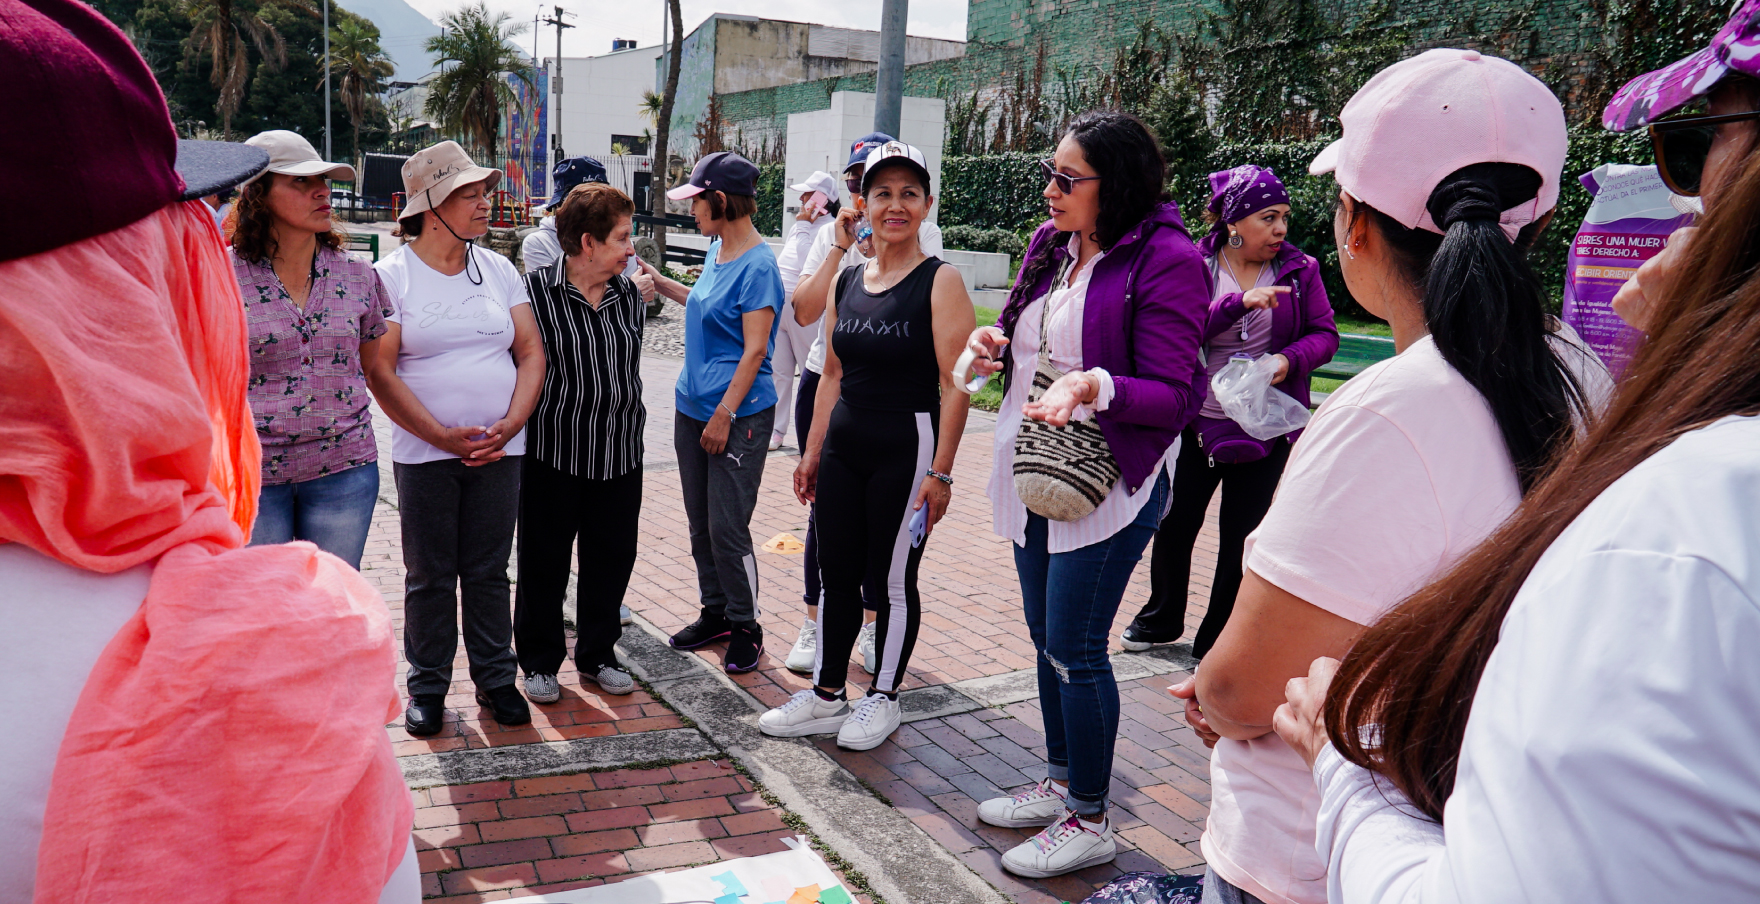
column 1246, row 496
column 869, row 473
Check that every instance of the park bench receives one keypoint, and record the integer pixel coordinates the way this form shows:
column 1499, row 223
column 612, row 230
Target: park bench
column 683, row 257
column 1355, row 353
column 363, row 241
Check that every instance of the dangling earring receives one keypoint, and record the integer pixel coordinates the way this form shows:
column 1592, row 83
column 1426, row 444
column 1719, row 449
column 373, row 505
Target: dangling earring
column 1234, row 239
column 1347, row 252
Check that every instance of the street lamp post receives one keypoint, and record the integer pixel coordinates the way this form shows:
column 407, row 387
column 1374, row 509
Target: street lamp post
column 889, row 77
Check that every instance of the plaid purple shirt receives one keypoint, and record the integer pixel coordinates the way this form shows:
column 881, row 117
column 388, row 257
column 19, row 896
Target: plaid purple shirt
column 308, row 393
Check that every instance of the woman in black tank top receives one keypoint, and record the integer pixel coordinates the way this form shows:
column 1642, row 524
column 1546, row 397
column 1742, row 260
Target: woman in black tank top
column 887, row 422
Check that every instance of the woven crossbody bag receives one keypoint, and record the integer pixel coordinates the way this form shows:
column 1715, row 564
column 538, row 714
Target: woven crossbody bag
column 1061, row 473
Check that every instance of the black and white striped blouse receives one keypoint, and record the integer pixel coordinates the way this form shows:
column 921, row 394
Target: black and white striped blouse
column 589, row 419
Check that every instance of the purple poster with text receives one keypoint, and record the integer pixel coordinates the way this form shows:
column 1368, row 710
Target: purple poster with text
column 1627, row 224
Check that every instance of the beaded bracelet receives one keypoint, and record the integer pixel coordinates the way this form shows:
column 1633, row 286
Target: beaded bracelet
column 944, row 478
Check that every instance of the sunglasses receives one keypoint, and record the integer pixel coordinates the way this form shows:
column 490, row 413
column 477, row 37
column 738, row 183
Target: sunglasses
column 1065, row 183
column 1682, row 144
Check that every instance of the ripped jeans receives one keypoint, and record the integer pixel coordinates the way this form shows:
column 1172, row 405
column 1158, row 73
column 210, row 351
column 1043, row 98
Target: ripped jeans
column 1070, row 600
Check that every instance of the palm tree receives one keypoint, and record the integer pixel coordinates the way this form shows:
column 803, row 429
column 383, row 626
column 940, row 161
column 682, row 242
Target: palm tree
column 363, row 67
column 467, row 98
column 220, row 28
column 650, row 106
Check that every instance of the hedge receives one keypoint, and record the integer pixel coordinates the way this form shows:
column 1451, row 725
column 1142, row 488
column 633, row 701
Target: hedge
column 984, row 238
column 1002, row 191
column 771, row 184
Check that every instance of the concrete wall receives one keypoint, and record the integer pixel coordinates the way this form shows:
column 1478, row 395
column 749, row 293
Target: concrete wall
column 820, row 140
column 602, row 97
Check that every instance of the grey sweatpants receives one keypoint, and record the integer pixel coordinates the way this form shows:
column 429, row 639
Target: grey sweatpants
column 457, row 535
column 720, row 492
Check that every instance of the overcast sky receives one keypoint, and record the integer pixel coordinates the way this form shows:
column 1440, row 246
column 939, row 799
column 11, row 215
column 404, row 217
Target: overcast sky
column 599, row 21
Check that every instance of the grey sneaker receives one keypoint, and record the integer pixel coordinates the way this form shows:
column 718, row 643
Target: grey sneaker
column 623, row 616
column 542, row 689
column 611, row 679
column 865, row 643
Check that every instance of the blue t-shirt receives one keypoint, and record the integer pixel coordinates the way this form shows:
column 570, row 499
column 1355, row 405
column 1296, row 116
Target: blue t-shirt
column 714, row 336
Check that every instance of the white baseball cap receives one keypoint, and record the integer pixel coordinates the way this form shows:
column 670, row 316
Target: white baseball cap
column 1425, row 117
column 292, row 155
column 819, row 181
column 894, row 153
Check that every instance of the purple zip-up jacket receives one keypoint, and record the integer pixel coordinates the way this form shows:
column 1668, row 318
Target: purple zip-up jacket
column 1142, row 321
column 1301, row 325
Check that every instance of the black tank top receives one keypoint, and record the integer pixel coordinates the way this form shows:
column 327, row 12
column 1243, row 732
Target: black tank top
column 886, row 341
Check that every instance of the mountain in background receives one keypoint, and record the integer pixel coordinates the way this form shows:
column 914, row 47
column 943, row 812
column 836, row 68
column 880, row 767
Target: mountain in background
column 402, row 31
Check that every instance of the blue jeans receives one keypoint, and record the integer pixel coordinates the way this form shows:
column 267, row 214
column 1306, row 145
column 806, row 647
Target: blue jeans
column 333, row 511
column 1070, row 600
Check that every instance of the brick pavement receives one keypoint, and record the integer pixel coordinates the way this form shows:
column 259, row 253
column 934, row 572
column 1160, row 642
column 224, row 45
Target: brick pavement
column 488, row 841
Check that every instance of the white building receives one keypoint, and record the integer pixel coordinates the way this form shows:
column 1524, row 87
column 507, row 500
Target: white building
column 601, row 102
column 821, row 139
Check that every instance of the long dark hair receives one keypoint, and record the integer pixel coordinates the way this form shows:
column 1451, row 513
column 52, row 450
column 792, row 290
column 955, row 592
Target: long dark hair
column 1414, row 673
column 1484, row 306
column 1133, row 182
column 253, row 225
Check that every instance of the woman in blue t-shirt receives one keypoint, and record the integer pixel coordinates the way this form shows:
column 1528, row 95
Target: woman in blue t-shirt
column 726, row 400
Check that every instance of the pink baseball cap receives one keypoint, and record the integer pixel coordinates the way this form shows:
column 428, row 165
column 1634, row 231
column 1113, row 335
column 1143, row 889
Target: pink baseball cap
column 1424, row 117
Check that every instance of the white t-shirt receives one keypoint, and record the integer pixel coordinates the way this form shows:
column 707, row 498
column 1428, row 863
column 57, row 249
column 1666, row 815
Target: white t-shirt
column 1398, row 475
column 541, row 248
column 1611, row 751
column 58, row 621
column 454, row 349
column 928, row 238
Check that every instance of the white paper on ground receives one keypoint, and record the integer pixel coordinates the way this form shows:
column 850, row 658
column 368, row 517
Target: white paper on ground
column 798, row 867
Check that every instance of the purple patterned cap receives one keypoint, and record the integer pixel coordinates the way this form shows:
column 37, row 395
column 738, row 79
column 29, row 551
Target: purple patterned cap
column 1238, row 193
column 1649, row 97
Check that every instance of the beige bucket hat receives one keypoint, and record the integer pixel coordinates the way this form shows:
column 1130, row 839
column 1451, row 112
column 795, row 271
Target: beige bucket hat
column 291, row 154
column 431, row 175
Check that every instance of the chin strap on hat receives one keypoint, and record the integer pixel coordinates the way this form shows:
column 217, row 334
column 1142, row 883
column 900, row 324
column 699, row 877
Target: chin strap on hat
column 469, row 259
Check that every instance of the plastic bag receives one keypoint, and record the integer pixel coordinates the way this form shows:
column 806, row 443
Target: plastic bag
column 1149, row 888
column 1243, row 388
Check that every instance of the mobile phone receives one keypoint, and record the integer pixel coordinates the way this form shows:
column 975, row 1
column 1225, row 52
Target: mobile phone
column 919, row 525
column 816, row 203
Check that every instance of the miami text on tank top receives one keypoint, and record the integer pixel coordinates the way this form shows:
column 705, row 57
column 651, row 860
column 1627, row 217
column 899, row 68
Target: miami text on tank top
column 886, row 341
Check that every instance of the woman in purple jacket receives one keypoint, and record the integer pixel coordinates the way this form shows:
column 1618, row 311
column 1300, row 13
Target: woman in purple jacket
column 1115, row 292
column 1268, row 300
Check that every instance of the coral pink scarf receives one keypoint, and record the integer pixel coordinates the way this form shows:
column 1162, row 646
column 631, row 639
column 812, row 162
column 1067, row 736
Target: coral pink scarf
column 229, row 744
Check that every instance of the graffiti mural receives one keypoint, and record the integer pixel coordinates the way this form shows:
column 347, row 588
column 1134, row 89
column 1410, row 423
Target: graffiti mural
column 528, row 147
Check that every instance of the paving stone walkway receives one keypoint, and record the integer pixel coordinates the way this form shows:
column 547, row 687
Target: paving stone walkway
column 599, row 787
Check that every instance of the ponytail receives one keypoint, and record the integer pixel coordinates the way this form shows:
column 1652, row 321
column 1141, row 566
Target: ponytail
column 1484, row 308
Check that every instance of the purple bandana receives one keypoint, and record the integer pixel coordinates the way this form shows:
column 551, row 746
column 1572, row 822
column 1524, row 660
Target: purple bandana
column 1237, row 194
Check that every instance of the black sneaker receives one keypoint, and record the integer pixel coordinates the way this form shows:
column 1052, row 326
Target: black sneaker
column 506, row 702
column 425, row 714
column 708, row 628
column 744, row 647
column 1137, row 638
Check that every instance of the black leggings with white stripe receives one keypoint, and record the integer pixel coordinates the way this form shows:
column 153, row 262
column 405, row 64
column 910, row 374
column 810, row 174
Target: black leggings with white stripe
column 869, row 473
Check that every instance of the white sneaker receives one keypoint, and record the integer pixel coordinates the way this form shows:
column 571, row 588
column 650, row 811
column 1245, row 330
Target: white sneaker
column 623, row 615
column 1035, row 805
column 865, row 643
column 1064, row 847
column 873, row 720
column 775, row 441
column 542, row 689
column 806, row 649
column 804, row 714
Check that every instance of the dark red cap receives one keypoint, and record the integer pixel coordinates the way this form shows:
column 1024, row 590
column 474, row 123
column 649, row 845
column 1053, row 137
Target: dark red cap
column 91, row 147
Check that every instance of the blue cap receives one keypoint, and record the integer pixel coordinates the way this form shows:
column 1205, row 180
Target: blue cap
column 723, row 171
column 571, row 172
column 858, row 152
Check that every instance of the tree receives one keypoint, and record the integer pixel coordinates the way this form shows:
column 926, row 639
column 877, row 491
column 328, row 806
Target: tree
column 220, row 29
column 356, row 57
column 663, row 129
column 468, row 96
column 650, row 106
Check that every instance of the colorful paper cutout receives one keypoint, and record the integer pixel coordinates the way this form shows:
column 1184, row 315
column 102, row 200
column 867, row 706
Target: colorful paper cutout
column 777, row 889
column 834, row 895
column 808, row 895
column 729, row 898
column 730, row 884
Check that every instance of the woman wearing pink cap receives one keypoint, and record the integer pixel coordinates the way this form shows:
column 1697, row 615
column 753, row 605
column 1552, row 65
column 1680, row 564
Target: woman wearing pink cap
column 1448, row 169
column 1575, row 701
